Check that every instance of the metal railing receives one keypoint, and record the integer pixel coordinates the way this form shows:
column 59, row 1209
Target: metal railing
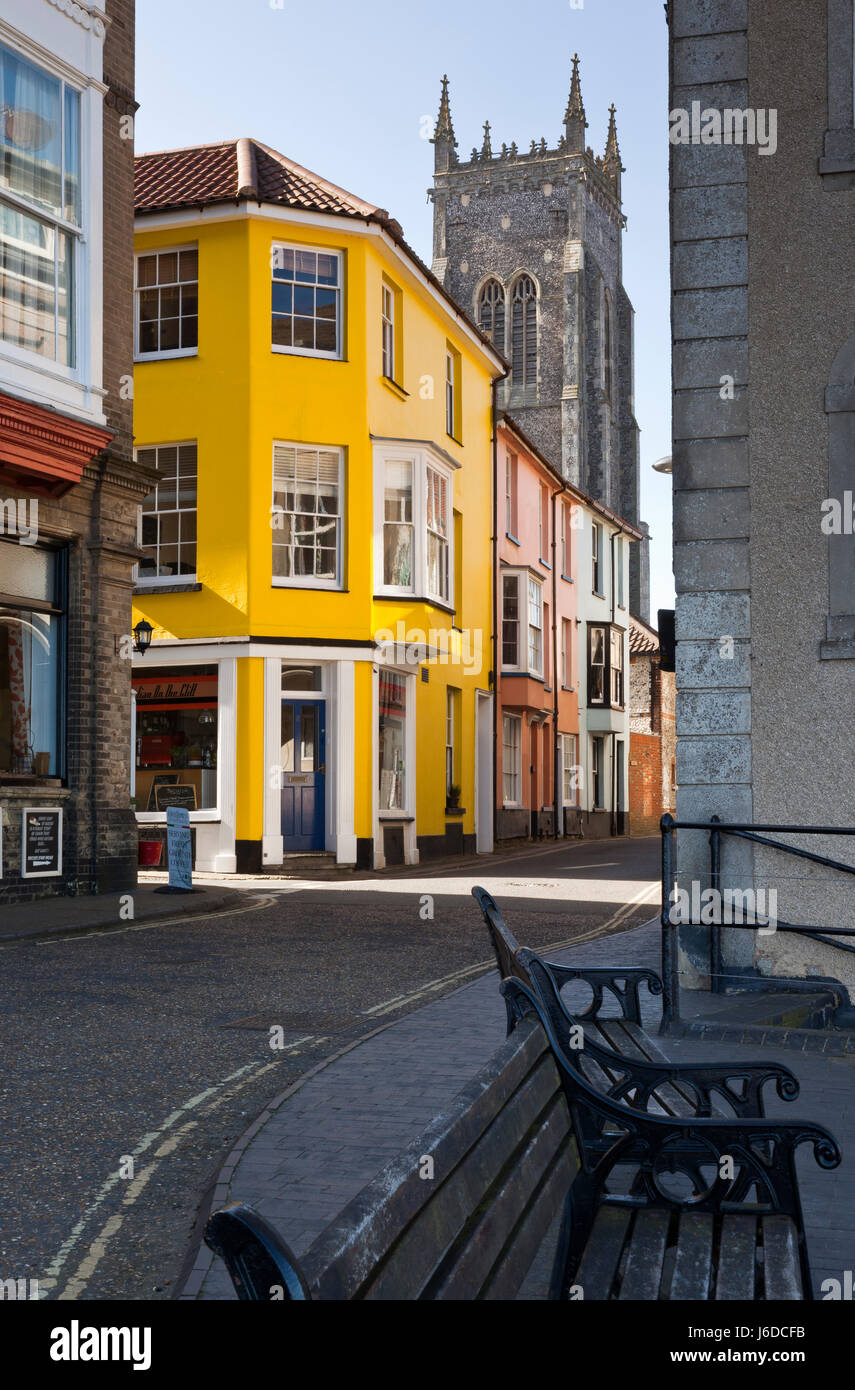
column 758, row 834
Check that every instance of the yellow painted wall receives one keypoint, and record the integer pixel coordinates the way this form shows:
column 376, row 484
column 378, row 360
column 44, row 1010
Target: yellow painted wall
column 238, row 396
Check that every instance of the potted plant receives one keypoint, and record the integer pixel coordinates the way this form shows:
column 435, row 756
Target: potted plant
column 452, row 798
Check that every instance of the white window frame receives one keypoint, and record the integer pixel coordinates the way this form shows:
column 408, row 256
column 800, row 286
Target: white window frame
column 596, row 766
column 168, row 580
column 616, row 671
column 285, row 351
column 407, row 811
column 388, row 327
column 620, row 562
column 309, row 581
column 597, row 559
column 167, row 353
column 566, row 654
column 516, row 747
column 535, row 586
column 568, row 765
column 451, row 705
column 450, row 394
column 421, row 459
column 511, row 467
column 77, row 387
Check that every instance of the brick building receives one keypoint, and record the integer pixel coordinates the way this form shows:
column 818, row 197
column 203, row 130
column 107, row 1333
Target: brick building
column 652, row 736
column 69, row 489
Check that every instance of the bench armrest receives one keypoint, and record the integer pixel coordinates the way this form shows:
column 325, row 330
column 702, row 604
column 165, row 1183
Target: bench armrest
column 260, row 1264
column 602, row 978
column 739, row 1084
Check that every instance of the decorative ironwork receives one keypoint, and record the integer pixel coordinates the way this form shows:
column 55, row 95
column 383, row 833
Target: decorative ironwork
column 739, row 1085
column 743, row 1165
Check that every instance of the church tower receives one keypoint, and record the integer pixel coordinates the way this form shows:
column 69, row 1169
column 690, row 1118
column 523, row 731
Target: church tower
column 529, row 241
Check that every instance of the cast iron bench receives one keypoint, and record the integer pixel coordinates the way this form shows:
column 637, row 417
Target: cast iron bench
column 623, row 1061
column 530, row 1157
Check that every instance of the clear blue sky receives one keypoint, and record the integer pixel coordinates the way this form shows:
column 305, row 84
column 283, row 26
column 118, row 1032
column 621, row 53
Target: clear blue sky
column 343, row 88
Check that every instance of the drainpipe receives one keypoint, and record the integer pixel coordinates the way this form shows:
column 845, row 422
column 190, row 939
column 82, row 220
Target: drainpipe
column 495, row 643
column 612, row 540
column 557, row 771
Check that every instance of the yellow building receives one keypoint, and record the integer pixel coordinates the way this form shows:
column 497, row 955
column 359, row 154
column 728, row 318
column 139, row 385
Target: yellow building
column 317, row 551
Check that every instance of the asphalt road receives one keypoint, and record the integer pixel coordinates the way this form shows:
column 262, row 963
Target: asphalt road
column 133, row 1058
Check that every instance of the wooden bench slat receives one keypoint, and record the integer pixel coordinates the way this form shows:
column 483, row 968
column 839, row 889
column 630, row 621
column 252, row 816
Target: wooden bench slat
column 501, row 1252
column 347, row 1253
column 693, row 1257
column 515, row 1136
column 737, row 1258
column 599, row 1263
column 782, row 1276
column 642, row 1277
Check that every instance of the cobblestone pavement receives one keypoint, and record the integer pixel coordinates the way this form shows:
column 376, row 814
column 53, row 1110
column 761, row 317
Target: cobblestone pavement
column 328, row 1138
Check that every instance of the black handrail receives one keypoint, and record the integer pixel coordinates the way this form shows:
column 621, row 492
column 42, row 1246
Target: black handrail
column 757, row 834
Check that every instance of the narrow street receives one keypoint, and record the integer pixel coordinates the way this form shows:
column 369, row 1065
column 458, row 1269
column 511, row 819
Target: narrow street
column 135, row 1057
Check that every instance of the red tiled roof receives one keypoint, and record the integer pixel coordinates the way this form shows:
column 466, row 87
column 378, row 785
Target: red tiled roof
column 237, row 170
column 642, row 639
column 232, row 170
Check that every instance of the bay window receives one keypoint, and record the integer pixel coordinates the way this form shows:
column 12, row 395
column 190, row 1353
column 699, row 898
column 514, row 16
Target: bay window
column 522, row 602
column 307, row 516
column 398, row 524
column 32, row 654
column 414, row 526
column 616, row 667
column 535, row 627
column 606, row 666
column 41, row 217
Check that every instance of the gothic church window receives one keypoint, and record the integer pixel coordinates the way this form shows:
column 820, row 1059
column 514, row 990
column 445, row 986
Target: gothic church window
column 491, row 313
column 524, row 332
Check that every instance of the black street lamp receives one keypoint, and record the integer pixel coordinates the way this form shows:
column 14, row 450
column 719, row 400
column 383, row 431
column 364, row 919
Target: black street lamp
column 142, row 635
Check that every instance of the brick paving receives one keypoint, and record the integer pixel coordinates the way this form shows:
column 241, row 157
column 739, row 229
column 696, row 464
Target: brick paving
column 328, row 1138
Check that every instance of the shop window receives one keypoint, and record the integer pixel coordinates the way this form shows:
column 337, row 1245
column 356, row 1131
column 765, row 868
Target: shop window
column 393, row 742
column 32, row 648
column 177, row 729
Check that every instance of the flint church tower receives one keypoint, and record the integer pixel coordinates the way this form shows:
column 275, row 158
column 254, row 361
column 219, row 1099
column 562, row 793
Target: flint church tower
column 530, row 243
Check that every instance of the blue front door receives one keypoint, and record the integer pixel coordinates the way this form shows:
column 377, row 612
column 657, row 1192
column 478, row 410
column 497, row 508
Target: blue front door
column 303, row 774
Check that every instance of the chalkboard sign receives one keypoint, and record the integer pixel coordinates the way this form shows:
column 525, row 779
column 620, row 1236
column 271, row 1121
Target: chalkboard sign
column 180, row 848
column 181, row 795
column 41, row 849
column 161, row 779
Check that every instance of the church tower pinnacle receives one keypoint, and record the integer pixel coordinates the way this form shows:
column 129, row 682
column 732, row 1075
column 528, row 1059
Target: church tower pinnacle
column 445, row 145
column 575, row 124
column 611, row 162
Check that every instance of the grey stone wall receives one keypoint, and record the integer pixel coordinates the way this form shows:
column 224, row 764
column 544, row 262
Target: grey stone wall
column 763, row 293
